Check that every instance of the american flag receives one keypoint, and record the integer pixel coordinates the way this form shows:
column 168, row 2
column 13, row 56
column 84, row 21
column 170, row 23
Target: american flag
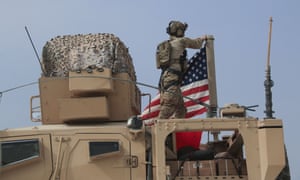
column 194, row 88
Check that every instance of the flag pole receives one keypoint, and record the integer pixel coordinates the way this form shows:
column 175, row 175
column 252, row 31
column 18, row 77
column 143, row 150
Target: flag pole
column 212, row 86
column 212, row 110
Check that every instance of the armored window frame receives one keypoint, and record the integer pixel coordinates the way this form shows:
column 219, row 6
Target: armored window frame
column 102, row 149
column 19, row 151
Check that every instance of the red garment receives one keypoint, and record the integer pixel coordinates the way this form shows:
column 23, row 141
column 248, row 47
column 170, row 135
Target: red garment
column 188, row 139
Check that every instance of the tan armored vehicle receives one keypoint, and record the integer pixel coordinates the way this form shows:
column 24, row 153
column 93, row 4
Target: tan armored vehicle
column 89, row 106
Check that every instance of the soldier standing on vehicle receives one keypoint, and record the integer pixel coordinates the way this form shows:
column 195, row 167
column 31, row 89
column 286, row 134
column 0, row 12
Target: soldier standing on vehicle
column 171, row 58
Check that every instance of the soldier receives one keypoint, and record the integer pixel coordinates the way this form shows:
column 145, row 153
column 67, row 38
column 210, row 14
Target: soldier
column 171, row 100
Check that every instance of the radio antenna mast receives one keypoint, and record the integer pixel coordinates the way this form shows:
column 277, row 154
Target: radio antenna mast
column 268, row 82
column 35, row 51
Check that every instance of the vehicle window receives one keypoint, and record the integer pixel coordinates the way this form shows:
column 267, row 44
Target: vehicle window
column 100, row 148
column 13, row 152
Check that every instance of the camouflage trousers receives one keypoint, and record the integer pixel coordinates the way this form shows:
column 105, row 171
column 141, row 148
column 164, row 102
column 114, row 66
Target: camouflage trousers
column 171, row 99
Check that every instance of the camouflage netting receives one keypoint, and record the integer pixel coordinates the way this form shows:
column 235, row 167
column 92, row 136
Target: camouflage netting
column 78, row 52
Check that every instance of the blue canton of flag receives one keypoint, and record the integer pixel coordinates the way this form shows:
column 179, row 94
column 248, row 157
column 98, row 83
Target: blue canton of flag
column 197, row 68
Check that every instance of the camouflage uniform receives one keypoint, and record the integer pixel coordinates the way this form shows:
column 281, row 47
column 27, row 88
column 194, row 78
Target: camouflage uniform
column 171, row 99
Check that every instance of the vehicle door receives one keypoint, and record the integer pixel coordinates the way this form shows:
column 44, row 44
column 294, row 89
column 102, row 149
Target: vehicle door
column 97, row 156
column 25, row 157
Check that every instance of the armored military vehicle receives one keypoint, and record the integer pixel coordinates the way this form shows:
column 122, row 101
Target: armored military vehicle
column 89, row 107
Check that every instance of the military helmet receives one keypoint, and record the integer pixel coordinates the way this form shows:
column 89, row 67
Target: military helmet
column 176, row 28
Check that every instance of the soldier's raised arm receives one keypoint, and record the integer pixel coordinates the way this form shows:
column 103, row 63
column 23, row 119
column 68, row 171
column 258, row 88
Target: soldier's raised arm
column 194, row 43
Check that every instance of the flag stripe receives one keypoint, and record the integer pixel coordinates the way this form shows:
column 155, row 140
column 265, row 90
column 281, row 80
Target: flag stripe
column 193, row 93
column 194, row 102
column 198, row 85
column 154, row 102
column 195, row 90
column 196, row 112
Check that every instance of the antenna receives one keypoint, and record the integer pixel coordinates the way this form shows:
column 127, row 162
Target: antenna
column 268, row 82
column 35, row 51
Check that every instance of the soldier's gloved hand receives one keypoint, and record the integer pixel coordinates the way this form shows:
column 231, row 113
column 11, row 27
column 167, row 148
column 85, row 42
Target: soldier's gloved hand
column 204, row 37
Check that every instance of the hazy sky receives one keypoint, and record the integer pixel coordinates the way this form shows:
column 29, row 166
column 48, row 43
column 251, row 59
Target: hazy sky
column 240, row 29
